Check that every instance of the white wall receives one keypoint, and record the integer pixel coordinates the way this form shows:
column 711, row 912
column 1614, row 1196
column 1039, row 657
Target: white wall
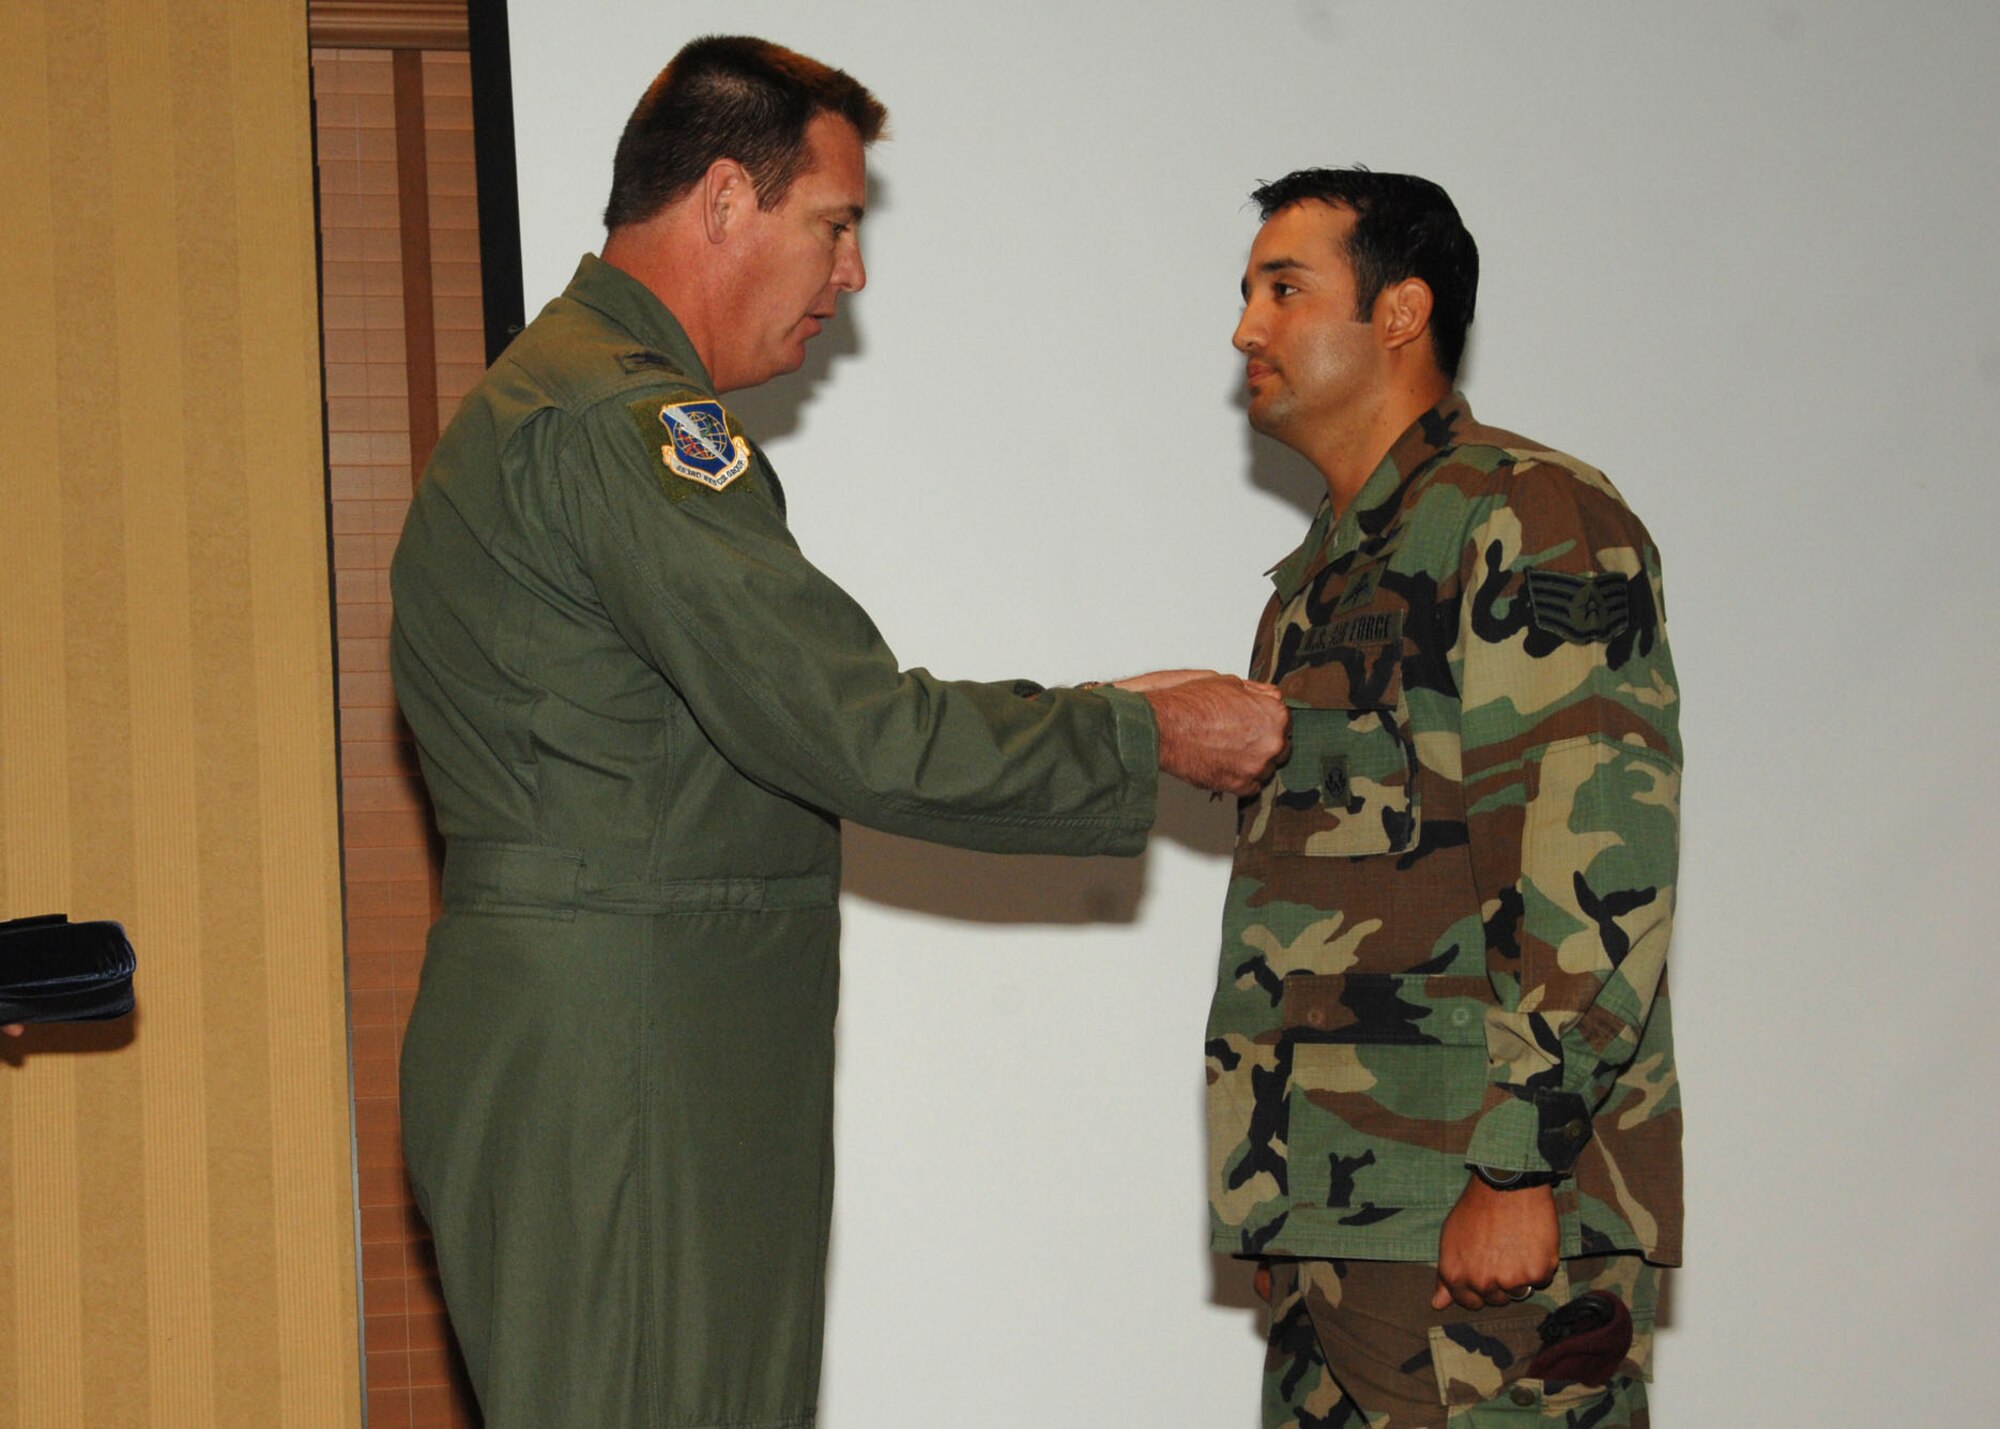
column 1741, row 256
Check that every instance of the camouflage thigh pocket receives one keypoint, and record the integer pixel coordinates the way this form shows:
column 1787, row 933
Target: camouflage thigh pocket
column 1621, row 1404
column 1481, row 1361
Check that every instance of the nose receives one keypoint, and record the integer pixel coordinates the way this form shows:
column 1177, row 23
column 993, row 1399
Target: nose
column 1248, row 336
column 850, row 274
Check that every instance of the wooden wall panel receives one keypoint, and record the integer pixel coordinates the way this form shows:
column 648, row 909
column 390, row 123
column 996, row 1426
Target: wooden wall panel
column 394, row 151
column 177, row 1239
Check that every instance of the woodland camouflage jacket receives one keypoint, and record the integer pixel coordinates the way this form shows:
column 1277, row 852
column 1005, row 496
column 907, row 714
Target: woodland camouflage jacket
column 1446, row 932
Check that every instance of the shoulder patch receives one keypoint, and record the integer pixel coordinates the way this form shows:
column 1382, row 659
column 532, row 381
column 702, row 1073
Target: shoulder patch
column 1579, row 609
column 697, row 442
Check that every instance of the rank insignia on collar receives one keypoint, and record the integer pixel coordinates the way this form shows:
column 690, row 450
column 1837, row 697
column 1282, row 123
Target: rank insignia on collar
column 1359, row 592
column 700, row 445
column 1579, row 609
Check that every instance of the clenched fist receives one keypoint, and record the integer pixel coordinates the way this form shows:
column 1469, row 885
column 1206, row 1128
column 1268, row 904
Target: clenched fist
column 1216, row 731
column 1496, row 1246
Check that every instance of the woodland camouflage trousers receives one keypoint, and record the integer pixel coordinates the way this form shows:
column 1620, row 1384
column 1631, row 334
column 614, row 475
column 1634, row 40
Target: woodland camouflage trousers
column 1355, row 1345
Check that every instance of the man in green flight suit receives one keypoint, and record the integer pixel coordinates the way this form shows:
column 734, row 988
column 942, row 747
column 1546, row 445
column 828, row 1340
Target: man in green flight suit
column 1443, row 1110
column 642, row 715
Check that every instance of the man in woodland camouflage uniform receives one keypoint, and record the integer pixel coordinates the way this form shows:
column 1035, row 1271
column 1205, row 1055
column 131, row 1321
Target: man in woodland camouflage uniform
column 1442, row 1100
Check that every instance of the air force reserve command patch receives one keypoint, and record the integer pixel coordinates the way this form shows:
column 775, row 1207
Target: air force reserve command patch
column 699, row 446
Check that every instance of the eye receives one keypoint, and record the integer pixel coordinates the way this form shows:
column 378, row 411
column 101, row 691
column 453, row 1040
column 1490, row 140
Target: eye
column 1282, row 291
column 840, row 228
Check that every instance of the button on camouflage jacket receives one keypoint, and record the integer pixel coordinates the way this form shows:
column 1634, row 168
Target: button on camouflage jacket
column 1446, row 934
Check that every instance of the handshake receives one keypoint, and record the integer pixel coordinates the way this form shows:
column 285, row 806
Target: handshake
column 1216, row 731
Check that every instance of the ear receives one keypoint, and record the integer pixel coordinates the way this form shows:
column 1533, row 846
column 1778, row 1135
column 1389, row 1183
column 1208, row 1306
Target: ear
column 1403, row 313
column 725, row 190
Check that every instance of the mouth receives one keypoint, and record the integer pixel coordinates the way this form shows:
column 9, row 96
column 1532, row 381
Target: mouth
column 1256, row 372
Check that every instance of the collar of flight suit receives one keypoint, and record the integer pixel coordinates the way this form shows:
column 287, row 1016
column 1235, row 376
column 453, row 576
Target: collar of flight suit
column 633, row 307
column 1375, row 505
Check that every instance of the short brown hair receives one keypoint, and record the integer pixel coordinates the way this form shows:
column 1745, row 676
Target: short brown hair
column 1404, row 227
column 729, row 97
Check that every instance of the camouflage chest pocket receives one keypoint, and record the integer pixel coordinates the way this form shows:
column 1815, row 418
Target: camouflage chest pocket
column 1350, row 788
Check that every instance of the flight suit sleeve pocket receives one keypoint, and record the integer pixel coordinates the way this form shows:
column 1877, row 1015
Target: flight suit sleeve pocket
column 1349, row 789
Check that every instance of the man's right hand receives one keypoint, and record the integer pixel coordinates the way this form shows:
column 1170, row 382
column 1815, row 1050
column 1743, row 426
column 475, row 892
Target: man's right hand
column 1216, row 731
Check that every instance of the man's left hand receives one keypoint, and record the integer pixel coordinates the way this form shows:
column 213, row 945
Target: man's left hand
column 1496, row 1246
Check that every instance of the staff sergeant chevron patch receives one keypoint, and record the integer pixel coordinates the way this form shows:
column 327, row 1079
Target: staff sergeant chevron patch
column 1579, row 609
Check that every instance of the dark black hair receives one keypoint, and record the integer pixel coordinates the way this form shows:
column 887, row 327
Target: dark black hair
column 729, row 97
column 1404, row 227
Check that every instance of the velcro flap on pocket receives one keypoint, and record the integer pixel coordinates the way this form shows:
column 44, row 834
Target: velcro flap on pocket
column 1407, row 1008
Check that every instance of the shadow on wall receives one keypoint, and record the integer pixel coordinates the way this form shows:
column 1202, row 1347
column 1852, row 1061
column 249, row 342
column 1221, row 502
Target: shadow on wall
column 777, row 409
column 1031, row 888
column 1232, row 1286
column 72, row 1038
column 1001, row 888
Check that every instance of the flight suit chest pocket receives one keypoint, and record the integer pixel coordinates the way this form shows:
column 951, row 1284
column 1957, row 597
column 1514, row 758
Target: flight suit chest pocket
column 1350, row 788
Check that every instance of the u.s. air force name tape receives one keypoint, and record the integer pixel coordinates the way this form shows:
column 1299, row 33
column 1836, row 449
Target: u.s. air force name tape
column 700, row 446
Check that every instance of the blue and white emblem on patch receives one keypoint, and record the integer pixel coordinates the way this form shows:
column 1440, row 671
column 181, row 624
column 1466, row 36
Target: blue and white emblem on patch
column 701, row 449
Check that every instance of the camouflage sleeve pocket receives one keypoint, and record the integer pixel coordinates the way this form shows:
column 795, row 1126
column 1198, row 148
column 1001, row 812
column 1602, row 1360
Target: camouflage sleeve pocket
column 1350, row 787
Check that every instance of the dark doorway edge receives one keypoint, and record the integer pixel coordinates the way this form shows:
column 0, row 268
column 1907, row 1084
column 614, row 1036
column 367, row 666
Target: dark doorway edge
column 493, row 158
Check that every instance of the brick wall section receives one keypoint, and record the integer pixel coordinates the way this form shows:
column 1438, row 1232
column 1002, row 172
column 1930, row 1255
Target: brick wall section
column 391, row 862
column 454, row 202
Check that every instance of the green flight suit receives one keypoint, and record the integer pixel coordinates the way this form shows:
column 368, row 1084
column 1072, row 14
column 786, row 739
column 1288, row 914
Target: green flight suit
column 642, row 714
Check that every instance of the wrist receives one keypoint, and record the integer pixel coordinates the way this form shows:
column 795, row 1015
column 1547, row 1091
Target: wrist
column 1500, row 1178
